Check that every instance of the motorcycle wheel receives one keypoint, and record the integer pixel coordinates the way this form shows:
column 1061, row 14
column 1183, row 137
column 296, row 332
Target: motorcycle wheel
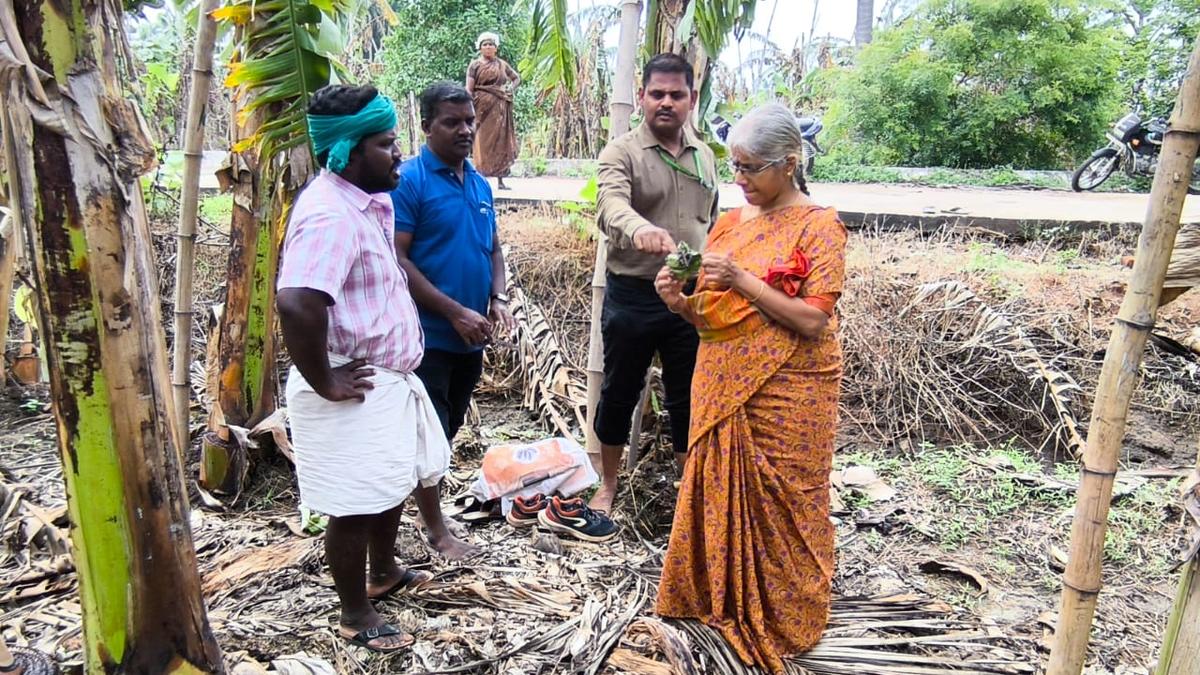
column 810, row 155
column 1095, row 170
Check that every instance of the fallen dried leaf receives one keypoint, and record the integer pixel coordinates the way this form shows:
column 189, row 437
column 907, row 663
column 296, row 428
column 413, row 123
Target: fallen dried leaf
column 239, row 563
column 862, row 479
column 943, row 566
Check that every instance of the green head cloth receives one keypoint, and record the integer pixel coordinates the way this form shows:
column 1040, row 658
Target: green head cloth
column 340, row 133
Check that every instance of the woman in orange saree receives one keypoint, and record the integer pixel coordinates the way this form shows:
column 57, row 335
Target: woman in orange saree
column 751, row 549
column 491, row 83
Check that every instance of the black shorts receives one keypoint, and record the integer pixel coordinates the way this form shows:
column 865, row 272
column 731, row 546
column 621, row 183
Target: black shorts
column 450, row 377
column 635, row 324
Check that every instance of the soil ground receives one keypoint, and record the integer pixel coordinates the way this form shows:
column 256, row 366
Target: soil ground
column 980, row 525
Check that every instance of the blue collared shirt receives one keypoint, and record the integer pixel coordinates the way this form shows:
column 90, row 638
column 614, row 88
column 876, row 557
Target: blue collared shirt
column 453, row 224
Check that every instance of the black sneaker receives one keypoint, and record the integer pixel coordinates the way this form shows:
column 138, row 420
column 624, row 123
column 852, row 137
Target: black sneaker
column 574, row 517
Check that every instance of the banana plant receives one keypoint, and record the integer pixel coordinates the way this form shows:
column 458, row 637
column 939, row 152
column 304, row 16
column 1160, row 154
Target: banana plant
column 74, row 146
column 550, row 59
column 705, row 31
column 284, row 50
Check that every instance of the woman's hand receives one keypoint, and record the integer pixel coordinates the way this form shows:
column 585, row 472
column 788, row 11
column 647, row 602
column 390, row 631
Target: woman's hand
column 669, row 289
column 718, row 272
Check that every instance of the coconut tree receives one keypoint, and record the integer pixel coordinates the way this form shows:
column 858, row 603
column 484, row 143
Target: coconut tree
column 284, row 51
column 75, row 147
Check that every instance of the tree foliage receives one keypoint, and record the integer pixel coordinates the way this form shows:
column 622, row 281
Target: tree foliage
column 435, row 40
column 982, row 83
column 1156, row 58
column 550, row 59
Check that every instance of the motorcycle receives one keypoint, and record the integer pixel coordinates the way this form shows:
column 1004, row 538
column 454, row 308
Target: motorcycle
column 1134, row 146
column 809, row 128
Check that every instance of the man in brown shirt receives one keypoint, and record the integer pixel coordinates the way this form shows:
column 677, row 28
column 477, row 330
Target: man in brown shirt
column 657, row 188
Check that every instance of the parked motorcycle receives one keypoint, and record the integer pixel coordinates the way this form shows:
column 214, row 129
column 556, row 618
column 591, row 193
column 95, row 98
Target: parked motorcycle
column 1134, row 146
column 809, row 128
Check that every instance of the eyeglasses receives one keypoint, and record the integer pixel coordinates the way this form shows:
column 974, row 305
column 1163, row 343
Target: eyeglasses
column 748, row 170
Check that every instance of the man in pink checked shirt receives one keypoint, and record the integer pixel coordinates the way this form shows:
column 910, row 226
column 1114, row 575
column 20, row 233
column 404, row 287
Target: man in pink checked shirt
column 364, row 430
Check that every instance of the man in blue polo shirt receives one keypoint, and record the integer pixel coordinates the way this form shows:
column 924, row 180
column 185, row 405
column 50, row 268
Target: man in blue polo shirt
column 446, row 240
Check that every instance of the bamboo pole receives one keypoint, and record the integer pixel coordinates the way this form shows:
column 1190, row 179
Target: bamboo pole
column 1082, row 579
column 414, row 125
column 619, row 113
column 193, row 154
column 639, row 417
column 1180, row 654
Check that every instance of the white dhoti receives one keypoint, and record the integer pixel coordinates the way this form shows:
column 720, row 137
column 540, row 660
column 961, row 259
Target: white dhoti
column 364, row 458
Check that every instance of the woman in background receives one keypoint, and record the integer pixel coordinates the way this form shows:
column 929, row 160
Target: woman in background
column 751, row 550
column 491, row 82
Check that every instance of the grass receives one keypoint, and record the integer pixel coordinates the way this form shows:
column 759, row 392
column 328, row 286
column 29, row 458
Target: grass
column 968, row 503
column 537, row 166
column 1130, row 520
column 830, row 170
column 216, row 208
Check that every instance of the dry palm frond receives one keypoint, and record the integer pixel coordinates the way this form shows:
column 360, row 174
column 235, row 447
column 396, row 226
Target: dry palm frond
column 937, row 361
column 650, row 633
column 580, row 645
column 891, row 635
column 987, row 329
column 1184, row 269
column 513, row 596
column 555, row 391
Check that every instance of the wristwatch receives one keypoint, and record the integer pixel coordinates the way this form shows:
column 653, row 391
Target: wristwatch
column 502, row 297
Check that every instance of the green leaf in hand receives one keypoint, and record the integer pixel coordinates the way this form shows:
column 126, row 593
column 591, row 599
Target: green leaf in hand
column 684, row 263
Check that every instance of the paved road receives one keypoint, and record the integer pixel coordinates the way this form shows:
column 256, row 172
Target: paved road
column 1008, row 211
column 904, row 204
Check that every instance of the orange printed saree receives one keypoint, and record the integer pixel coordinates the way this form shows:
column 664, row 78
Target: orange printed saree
column 751, row 550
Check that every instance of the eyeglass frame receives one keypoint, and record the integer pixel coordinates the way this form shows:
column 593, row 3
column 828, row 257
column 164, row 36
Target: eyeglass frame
column 741, row 168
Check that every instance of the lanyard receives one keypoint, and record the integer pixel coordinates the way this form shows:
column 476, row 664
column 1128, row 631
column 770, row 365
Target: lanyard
column 697, row 175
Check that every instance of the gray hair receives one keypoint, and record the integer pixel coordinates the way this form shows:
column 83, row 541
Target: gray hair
column 770, row 133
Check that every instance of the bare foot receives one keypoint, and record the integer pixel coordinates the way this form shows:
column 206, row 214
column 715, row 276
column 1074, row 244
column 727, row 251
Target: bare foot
column 453, row 526
column 451, row 546
column 603, row 499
